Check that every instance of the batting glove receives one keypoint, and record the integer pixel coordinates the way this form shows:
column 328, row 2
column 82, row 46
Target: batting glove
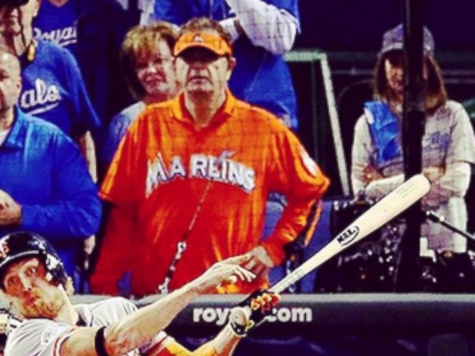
column 252, row 311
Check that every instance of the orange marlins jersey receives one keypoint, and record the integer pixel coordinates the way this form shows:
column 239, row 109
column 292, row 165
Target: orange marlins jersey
column 172, row 179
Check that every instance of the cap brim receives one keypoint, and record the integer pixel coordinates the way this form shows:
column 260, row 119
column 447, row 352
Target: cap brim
column 199, row 45
column 392, row 47
column 210, row 42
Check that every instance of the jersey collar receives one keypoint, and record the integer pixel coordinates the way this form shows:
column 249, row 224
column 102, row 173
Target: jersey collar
column 226, row 111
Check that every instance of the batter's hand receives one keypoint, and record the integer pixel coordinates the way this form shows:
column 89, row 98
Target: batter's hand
column 259, row 261
column 10, row 210
column 219, row 272
column 252, row 311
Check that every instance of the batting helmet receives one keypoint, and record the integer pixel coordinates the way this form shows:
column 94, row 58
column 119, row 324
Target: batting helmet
column 18, row 245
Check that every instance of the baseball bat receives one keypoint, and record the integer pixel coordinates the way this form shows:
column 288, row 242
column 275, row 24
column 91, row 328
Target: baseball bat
column 393, row 204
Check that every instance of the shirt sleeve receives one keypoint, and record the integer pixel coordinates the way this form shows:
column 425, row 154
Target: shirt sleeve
column 377, row 189
column 360, row 154
column 116, row 131
column 124, row 184
column 294, row 174
column 146, row 8
column 36, row 337
column 267, row 24
column 455, row 176
column 116, row 254
column 84, row 116
column 170, row 347
column 462, row 140
column 74, row 209
column 361, row 157
column 453, row 182
column 123, row 187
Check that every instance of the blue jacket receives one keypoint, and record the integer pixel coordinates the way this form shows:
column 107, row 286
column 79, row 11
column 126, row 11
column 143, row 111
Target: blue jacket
column 53, row 90
column 101, row 26
column 260, row 77
column 43, row 170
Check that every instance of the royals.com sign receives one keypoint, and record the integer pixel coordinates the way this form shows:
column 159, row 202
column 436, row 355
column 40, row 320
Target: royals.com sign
column 219, row 316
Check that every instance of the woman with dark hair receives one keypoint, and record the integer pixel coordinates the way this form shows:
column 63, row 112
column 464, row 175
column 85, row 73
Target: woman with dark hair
column 448, row 149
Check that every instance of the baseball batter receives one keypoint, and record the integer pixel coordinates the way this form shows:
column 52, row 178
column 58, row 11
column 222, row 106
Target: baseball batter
column 34, row 282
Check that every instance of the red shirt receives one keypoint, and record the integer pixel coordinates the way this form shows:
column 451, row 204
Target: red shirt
column 169, row 172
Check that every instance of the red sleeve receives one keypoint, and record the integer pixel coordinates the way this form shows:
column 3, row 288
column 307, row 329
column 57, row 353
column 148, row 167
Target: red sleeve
column 124, row 183
column 123, row 187
column 294, row 174
column 116, row 255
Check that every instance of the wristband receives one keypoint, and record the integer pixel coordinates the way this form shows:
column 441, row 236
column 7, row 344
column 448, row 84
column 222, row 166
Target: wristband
column 99, row 342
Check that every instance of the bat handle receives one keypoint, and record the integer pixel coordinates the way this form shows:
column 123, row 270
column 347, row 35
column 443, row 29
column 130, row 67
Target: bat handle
column 287, row 281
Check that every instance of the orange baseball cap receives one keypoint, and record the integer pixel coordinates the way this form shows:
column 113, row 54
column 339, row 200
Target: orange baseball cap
column 214, row 43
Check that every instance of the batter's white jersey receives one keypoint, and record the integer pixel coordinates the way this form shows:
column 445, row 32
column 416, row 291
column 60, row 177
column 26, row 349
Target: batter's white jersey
column 43, row 337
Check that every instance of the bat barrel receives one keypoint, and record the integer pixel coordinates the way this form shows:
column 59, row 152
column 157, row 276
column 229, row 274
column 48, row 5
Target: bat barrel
column 381, row 213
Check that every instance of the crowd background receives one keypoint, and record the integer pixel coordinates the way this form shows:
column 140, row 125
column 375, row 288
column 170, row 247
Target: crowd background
column 351, row 50
column 349, row 33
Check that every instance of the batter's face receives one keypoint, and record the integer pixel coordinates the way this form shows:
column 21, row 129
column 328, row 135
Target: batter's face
column 15, row 19
column 156, row 71
column 10, row 81
column 29, row 293
column 203, row 72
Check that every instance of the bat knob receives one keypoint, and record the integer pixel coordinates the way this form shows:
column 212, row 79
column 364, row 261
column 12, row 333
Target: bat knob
column 227, row 282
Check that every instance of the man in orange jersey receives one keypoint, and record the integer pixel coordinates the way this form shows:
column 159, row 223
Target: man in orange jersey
column 189, row 183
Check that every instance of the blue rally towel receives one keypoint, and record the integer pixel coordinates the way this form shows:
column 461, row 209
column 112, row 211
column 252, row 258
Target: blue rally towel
column 384, row 129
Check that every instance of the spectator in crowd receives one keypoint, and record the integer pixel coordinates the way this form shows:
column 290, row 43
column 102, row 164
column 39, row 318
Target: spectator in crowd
column 147, row 61
column 448, row 150
column 190, row 180
column 53, row 88
column 44, row 183
column 93, row 30
column 262, row 31
column 33, row 281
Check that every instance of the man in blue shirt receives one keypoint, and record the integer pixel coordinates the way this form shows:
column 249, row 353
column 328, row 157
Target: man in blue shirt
column 44, row 183
column 53, row 88
column 262, row 30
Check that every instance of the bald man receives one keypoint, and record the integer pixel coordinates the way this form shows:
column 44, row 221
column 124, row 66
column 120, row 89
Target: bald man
column 53, row 87
column 38, row 160
column 10, row 88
